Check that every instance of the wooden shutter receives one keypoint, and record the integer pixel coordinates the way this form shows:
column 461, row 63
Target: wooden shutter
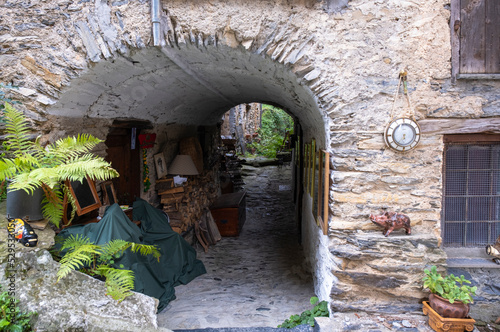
column 476, row 36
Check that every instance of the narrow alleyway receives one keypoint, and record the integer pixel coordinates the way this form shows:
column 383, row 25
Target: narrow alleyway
column 254, row 280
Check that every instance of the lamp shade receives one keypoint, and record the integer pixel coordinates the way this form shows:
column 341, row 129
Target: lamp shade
column 183, row 165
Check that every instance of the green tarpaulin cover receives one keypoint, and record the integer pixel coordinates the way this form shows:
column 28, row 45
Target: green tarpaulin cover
column 177, row 265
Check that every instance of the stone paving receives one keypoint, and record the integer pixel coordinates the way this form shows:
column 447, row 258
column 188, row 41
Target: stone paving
column 256, row 279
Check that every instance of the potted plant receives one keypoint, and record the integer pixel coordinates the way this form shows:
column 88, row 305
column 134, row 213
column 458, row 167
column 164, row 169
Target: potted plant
column 28, row 165
column 449, row 301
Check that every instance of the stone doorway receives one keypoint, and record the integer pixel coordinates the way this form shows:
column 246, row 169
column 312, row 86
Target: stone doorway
column 126, row 160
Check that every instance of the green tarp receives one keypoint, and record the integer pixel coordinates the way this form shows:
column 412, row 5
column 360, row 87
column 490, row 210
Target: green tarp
column 177, row 265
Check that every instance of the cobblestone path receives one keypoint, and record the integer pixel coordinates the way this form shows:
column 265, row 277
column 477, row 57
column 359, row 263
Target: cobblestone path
column 256, row 279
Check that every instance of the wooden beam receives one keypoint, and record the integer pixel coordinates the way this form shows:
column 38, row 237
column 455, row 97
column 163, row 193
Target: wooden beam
column 460, row 126
column 478, row 76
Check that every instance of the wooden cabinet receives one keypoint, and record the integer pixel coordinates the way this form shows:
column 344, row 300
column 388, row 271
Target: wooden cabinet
column 229, row 213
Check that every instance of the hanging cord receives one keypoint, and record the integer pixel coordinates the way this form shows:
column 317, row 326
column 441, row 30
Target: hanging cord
column 403, row 77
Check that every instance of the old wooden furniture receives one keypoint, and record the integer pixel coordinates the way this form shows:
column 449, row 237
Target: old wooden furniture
column 229, row 213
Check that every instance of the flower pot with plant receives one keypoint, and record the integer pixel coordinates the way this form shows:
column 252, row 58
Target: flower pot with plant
column 450, row 295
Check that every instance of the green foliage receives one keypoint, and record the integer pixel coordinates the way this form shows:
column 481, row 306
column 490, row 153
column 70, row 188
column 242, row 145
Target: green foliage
column 307, row 317
column 4, row 98
column 12, row 318
column 99, row 260
column 275, row 124
column 450, row 287
column 29, row 165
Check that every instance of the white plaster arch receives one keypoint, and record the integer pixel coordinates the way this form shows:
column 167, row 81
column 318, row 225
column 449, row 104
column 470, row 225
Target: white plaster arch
column 187, row 86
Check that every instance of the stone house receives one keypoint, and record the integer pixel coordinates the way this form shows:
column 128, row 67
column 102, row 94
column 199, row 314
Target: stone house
column 174, row 67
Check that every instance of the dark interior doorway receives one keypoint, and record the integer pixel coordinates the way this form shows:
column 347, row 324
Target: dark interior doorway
column 125, row 158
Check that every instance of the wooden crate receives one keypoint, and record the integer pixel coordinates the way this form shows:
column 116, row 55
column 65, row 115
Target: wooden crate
column 229, row 213
column 440, row 324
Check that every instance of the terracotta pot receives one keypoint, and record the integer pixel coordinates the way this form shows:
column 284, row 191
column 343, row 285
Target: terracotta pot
column 446, row 309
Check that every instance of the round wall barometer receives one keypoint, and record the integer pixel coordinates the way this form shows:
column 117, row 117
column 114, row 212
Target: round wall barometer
column 402, row 134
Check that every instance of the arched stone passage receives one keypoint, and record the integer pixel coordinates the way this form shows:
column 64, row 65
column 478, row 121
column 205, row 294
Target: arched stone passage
column 187, row 86
column 99, row 67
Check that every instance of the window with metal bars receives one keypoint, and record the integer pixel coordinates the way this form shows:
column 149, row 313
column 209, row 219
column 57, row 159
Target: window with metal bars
column 471, row 209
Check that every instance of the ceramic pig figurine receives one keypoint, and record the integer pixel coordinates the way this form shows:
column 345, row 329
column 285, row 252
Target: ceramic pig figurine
column 391, row 221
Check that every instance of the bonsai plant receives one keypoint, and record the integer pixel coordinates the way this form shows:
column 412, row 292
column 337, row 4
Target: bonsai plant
column 450, row 295
column 28, row 165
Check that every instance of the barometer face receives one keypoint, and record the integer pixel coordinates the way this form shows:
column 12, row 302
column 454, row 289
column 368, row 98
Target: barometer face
column 402, row 134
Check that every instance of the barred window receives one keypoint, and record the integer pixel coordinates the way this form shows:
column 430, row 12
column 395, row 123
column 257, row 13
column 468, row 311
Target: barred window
column 471, row 209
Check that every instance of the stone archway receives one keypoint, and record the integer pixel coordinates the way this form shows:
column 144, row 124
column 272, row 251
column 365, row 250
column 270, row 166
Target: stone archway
column 99, row 69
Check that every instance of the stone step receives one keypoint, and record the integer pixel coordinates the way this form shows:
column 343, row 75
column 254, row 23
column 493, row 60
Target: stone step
column 300, row 328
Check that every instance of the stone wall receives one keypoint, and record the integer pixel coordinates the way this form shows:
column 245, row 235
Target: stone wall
column 246, row 115
column 485, row 306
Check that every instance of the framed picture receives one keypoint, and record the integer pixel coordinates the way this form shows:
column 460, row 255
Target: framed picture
column 306, row 166
column 161, row 165
column 312, row 167
column 323, row 190
column 85, row 195
column 109, row 194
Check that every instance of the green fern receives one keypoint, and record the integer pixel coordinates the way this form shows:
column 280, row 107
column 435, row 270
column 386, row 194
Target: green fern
column 80, row 253
column 145, row 250
column 18, row 132
column 29, row 165
column 94, row 259
column 119, row 283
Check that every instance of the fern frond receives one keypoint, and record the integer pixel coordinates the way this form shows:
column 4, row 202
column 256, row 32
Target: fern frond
column 119, row 283
column 10, row 167
column 76, row 169
column 75, row 241
column 80, row 144
column 146, row 249
column 24, row 181
column 78, row 257
column 69, row 147
column 52, row 204
column 116, row 247
column 17, row 130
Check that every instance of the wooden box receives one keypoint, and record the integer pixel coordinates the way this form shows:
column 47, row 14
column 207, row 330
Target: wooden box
column 229, row 213
column 440, row 324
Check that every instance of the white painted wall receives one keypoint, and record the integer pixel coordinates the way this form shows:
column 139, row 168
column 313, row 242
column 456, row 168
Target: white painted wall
column 316, row 251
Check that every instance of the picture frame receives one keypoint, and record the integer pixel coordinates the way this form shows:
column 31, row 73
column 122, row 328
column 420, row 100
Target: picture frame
column 85, row 195
column 312, row 167
column 323, row 192
column 109, row 194
column 160, row 165
column 306, row 167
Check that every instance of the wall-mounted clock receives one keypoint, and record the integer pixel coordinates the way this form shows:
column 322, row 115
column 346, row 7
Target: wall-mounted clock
column 402, row 134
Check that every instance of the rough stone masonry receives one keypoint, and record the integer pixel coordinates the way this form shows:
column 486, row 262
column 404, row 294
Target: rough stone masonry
column 332, row 64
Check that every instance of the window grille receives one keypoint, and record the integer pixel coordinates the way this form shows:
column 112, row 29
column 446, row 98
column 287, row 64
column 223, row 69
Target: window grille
column 471, row 209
